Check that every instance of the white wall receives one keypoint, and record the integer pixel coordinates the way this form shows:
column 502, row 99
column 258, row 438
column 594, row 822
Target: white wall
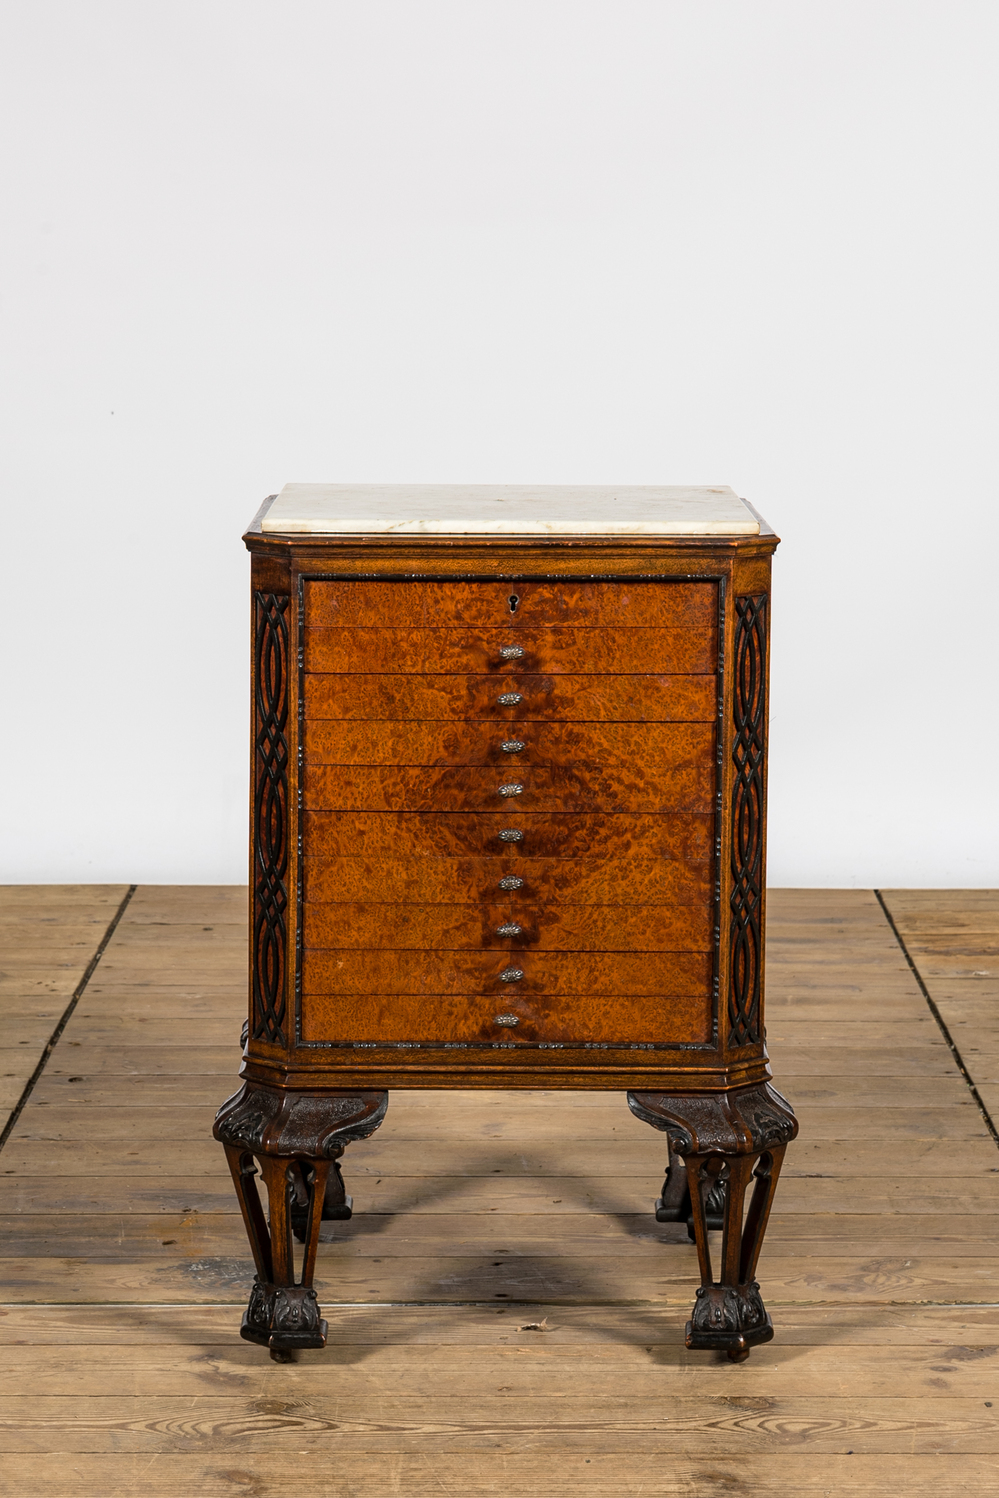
column 747, row 241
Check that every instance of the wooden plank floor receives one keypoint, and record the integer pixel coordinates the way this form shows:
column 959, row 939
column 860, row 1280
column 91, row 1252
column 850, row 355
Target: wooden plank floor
column 477, row 1214
column 952, row 937
column 49, row 935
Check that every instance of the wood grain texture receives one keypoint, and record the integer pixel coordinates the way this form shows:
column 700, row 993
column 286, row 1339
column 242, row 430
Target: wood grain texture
column 928, row 1129
column 439, row 1467
column 141, row 1237
column 57, row 907
column 609, row 1335
column 569, row 881
column 472, row 927
column 528, row 1163
column 376, row 1422
column 48, row 935
column 648, row 604
column 553, row 1019
column 133, row 1381
column 953, row 938
column 152, row 1372
column 577, row 699
column 549, row 651
column 650, row 788
column 564, row 973
column 679, row 835
column 638, row 747
column 648, row 650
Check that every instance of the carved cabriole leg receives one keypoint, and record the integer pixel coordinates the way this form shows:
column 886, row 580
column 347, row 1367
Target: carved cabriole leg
column 295, row 1138
column 728, row 1142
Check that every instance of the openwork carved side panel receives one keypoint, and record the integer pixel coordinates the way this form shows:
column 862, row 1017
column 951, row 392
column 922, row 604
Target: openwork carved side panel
column 270, row 820
column 749, row 713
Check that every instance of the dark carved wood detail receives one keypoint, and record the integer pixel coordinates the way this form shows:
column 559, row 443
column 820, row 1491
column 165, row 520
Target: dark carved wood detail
column 674, row 1205
column 338, row 1205
column 295, row 1139
column 729, row 1143
column 741, row 1122
column 298, row 1125
column 283, row 1317
column 270, row 809
column 749, row 713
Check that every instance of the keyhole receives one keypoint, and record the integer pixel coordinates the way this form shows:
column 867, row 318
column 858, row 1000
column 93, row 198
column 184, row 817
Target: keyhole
column 514, row 600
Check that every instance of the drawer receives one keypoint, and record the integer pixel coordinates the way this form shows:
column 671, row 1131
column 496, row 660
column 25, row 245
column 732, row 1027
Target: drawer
column 446, row 1020
column 545, row 651
column 651, row 603
column 344, row 971
column 662, row 699
column 545, row 928
column 425, row 789
column 637, row 747
column 566, row 881
column 342, row 834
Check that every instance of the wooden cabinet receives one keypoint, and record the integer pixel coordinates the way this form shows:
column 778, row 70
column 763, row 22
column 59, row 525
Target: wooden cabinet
column 508, row 813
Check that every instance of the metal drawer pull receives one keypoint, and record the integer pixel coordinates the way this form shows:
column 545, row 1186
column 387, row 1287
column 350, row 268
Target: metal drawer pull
column 510, row 929
column 511, row 882
column 513, row 789
column 512, row 746
column 511, row 652
column 511, row 835
column 510, row 699
column 511, row 975
column 507, row 1019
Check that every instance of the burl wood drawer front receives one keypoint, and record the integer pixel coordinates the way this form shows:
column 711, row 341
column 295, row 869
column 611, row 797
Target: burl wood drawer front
column 373, row 788
column 651, row 604
column 509, row 928
column 545, row 651
column 638, row 748
column 623, row 973
column 443, row 1019
column 567, row 881
column 509, row 699
column 342, row 834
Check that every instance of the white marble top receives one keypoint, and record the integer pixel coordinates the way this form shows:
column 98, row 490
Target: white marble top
column 509, row 510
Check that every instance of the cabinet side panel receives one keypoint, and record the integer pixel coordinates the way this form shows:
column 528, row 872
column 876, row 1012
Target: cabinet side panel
column 270, row 829
column 749, row 747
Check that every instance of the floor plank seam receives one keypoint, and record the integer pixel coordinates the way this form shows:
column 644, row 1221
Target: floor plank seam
column 827, row 1303
column 150, row 1392
column 65, row 1017
column 942, row 1023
